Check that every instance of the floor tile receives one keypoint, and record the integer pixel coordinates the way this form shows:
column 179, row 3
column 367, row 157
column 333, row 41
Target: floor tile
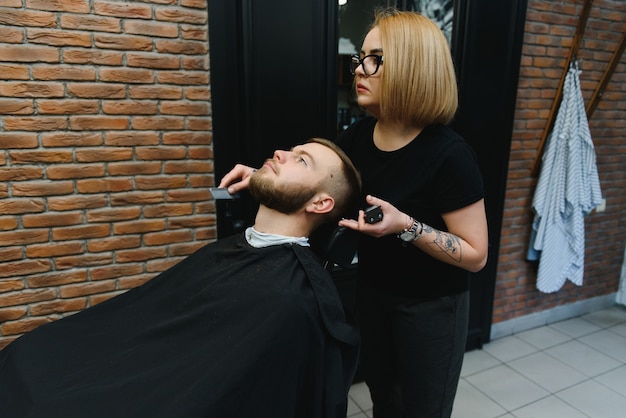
column 547, row 372
column 595, row 400
column 476, row 361
column 550, row 407
column 619, row 329
column 543, row 337
column 353, row 408
column 470, row 402
column 607, row 317
column 614, row 380
column 509, row 348
column 583, row 358
column 507, row 387
column 575, row 327
column 608, row 343
column 360, row 394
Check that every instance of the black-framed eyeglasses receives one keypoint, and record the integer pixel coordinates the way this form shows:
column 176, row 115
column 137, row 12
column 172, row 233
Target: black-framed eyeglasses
column 370, row 63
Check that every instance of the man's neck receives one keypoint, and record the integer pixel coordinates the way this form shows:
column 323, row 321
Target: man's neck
column 270, row 221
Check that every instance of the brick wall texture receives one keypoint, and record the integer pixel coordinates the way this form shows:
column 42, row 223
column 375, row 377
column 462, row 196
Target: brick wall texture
column 550, row 30
column 105, row 150
column 106, row 153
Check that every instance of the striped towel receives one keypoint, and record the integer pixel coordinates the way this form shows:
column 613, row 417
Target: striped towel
column 567, row 190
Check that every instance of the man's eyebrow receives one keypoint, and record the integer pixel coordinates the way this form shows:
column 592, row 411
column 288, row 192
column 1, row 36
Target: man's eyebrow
column 298, row 150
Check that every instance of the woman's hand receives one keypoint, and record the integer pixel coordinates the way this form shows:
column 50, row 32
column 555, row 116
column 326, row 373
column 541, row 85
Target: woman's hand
column 393, row 221
column 464, row 245
column 237, row 179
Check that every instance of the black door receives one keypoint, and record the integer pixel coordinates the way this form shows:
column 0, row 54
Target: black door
column 274, row 83
column 270, row 82
column 487, row 49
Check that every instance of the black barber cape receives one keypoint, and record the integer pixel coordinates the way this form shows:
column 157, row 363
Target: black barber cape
column 231, row 331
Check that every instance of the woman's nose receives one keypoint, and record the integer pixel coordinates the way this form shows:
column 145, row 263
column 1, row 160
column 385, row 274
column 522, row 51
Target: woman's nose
column 359, row 70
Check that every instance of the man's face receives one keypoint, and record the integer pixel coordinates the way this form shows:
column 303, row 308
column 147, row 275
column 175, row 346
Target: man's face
column 291, row 179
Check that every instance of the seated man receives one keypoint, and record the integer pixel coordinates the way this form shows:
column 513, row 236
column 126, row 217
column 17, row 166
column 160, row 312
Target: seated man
column 248, row 326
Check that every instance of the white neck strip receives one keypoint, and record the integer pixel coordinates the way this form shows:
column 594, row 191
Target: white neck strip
column 259, row 239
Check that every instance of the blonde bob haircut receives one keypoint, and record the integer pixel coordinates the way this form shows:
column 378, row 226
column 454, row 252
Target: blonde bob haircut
column 418, row 81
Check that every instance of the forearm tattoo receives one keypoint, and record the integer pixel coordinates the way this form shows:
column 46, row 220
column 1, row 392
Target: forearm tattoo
column 445, row 242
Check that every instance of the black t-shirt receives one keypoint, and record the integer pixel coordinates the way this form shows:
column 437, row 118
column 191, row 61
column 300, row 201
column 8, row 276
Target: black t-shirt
column 435, row 173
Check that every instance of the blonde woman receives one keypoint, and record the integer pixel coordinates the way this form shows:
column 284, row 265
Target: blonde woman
column 413, row 297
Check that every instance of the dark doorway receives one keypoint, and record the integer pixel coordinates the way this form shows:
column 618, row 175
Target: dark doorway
column 270, row 82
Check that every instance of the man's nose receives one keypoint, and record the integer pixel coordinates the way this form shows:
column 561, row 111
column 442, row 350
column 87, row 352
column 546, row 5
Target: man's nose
column 280, row 156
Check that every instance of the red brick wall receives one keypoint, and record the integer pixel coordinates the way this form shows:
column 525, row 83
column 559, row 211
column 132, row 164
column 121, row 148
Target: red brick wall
column 550, row 29
column 105, row 150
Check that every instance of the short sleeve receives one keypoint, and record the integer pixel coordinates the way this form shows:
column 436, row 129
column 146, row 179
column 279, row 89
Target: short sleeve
column 459, row 180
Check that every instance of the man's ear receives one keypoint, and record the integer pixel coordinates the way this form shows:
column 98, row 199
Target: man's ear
column 321, row 203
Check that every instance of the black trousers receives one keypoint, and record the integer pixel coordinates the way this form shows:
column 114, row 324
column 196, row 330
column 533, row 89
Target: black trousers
column 412, row 352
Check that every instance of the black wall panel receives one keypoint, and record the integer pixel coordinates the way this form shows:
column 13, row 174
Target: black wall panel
column 270, row 80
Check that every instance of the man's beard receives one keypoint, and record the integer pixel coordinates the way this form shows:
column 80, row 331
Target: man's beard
column 283, row 198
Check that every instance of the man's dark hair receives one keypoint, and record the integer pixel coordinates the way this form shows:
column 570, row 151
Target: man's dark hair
column 347, row 190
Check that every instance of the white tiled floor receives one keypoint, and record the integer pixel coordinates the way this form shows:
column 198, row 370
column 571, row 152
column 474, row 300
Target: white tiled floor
column 571, row 369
